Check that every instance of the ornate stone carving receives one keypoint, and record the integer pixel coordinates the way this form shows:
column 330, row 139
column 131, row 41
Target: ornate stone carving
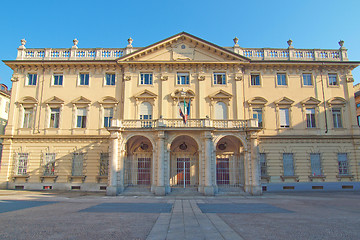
column 127, row 78
column 164, row 78
column 75, row 41
column 236, row 40
column 201, row 78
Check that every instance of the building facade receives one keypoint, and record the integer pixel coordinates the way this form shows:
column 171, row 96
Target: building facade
column 182, row 113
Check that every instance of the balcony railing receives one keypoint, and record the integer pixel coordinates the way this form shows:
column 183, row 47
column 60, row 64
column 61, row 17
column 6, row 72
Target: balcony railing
column 191, row 123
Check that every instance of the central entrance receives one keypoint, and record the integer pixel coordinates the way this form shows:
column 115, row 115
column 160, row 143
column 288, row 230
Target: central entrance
column 184, row 164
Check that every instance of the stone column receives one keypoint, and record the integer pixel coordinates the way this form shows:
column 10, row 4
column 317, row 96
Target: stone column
column 209, row 187
column 112, row 188
column 255, row 166
column 160, row 188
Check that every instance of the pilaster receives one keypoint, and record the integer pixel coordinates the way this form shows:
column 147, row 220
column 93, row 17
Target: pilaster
column 160, row 188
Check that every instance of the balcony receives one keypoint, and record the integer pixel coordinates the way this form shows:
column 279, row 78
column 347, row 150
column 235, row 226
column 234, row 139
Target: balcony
column 191, row 123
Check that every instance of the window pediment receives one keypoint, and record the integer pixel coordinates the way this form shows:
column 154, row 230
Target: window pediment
column 81, row 100
column 220, row 95
column 28, row 101
column 284, row 101
column 108, row 101
column 310, row 101
column 54, row 101
column 146, row 94
column 187, row 94
column 336, row 101
column 257, row 101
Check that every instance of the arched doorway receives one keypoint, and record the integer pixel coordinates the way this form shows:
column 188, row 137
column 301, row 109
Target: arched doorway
column 138, row 162
column 184, row 162
column 229, row 164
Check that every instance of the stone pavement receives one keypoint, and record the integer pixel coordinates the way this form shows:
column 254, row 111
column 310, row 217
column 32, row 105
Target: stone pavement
column 78, row 215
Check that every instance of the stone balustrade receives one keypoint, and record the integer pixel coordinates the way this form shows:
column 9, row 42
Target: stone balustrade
column 191, row 123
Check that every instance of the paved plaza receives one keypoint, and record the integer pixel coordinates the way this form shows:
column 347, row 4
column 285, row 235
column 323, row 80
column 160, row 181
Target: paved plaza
column 78, row 215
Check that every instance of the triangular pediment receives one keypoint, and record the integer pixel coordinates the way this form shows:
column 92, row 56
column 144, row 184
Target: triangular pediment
column 257, row 101
column 336, row 101
column 108, row 100
column 54, row 100
column 28, row 100
column 146, row 94
column 81, row 100
column 183, row 47
column 182, row 93
column 310, row 101
column 284, row 101
column 221, row 94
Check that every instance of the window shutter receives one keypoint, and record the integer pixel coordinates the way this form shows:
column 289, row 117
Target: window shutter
column 81, row 111
column 145, row 108
column 284, row 117
column 220, row 111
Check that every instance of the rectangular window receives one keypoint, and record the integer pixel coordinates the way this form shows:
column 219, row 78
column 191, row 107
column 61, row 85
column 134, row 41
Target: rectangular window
column 310, row 118
column 343, row 164
column 22, row 163
column 358, row 105
column 263, row 165
column 336, row 112
column 220, row 78
column 307, row 81
column 32, row 78
column 28, row 118
column 284, row 117
column 145, row 117
column 110, row 79
column 257, row 114
column 54, row 118
column 315, row 164
column 333, row 79
column 108, row 115
column 281, row 79
column 358, row 120
column 77, row 164
column 84, row 79
column 49, row 164
column 104, row 164
column 255, row 80
column 146, row 78
column 182, row 78
column 58, row 79
column 288, row 163
column 81, row 118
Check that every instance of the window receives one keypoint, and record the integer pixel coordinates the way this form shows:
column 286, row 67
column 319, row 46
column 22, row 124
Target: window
column 220, row 111
column 263, row 165
column 108, row 115
column 333, row 79
column 307, row 81
column 288, row 163
column 255, row 80
column 315, row 164
column 54, row 118
column 81, row 118
column 110, row 79
column 310, row 118
column 58, row 80
column 358, row 105
column 182, row 78
column 358, row 120
column 281, row 79
column 220, row 78
column 84, row 79
column 284, row 117
column 104, row 164
column 145, row 111
column 336, row 112
column 146, row 78
column 22, row 163
column 343, row 164
column 49, row 164
column 28, row 117
column 257, row 114
column 77, row 164
column 32, row 77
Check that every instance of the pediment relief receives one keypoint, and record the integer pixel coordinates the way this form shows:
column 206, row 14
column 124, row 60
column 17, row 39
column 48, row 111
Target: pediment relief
column 284, row 101
column 146, row 94
column 336, row 101
column 54, row 100
column 221, row 94
column 257, row 101
column 108, row 100
column 310, row 101
column 81, row 100
column 183, row 47
column 28, row 100
column 182, row 93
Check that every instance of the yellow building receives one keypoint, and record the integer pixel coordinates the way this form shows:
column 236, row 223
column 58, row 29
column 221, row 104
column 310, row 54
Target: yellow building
column 253, row 119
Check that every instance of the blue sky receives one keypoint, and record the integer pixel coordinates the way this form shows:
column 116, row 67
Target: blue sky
column 257, row 23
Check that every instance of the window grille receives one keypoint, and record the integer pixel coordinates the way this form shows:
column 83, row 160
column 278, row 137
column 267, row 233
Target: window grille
column 22, row 163
column 77, row 164
column 343, row 164
column 104, row 164
column 263, row 165
column 288, row 164
column 49, row 164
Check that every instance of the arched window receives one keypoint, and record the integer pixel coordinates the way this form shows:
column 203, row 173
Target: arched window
column 145, row 111
column 220, row 111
